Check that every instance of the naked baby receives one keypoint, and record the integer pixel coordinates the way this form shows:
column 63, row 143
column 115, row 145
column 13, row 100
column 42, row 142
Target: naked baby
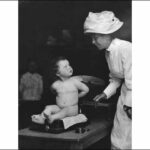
column 68, row 91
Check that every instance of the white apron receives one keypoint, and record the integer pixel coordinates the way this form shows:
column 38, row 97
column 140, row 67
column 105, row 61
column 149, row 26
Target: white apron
column 121, row 131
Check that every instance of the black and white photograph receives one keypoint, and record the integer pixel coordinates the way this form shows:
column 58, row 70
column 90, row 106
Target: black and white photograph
column 66, row 75
column 74, row 74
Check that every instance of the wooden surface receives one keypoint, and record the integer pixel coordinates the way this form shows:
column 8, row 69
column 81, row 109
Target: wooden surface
column 97, row 130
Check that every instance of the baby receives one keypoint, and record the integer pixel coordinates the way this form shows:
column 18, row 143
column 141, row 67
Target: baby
column 68, row 90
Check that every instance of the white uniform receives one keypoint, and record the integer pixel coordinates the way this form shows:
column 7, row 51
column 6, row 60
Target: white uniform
column 119, row 59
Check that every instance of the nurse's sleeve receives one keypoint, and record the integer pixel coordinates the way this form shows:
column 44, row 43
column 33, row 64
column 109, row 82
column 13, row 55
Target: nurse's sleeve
column 112, row 87
column 127, row 66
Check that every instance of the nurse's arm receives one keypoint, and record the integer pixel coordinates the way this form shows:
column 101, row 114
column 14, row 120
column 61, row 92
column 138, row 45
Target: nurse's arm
column 112, row 87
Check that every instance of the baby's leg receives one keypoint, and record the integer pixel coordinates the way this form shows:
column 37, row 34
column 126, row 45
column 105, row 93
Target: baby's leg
column 40, row 118
column 65, row 112
column 59, row 115
column 50, row 109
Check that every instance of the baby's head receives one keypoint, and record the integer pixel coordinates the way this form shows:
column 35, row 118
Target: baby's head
column 60, row 68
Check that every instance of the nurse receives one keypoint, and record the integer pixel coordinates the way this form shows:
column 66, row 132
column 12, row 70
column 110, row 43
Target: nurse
column 102, row 27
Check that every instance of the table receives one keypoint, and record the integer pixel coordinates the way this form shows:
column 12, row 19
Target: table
column 97, row 130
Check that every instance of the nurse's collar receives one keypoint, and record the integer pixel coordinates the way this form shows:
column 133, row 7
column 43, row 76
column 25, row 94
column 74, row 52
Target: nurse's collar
column 111, row 45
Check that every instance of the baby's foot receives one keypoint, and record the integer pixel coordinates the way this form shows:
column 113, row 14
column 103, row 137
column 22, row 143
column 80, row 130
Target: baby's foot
column 38, row 119
column 49, row 118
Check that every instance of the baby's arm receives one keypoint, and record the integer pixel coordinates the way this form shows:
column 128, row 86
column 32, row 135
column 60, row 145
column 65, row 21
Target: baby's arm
column 53, row 87
column 83, row 89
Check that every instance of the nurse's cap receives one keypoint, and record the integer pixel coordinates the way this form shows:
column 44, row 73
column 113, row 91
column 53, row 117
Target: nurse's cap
column 104, row 22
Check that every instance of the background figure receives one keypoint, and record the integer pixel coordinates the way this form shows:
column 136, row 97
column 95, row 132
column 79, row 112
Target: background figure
column 51, row 40
column 31, row 84
column 66, row 37
column 31, row 89
column 118, row 54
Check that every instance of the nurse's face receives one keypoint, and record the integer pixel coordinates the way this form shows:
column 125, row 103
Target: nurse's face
column 101, row 41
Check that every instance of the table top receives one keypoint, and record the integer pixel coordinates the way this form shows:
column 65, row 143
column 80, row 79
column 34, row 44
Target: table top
column 96, row 126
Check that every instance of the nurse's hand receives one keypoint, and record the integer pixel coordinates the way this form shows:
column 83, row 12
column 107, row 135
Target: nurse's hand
column 100, row 97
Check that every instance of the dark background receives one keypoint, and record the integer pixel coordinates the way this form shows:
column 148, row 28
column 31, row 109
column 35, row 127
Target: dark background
column 39, row 19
